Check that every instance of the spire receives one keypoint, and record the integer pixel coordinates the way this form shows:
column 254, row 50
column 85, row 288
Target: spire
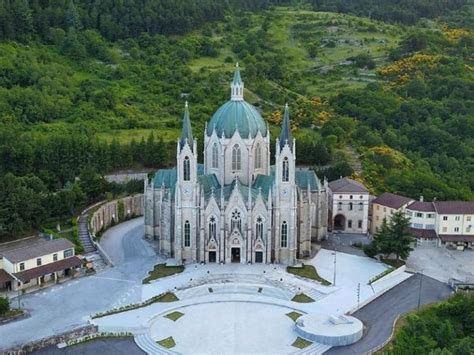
column 237, row 86
column 285, row 134
column 237, row 78
column 186, row 133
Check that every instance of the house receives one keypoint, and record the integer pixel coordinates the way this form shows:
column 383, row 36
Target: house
column 349, row 206
column 448, row 223
column 384, row 206
column 455, row 223
column 36, row 261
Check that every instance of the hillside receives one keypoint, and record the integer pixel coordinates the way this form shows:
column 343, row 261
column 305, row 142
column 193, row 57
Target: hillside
column 78, row 97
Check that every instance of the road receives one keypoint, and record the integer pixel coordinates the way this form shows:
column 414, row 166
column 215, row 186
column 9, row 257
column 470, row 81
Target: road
column 379, row 315
column 66, row 306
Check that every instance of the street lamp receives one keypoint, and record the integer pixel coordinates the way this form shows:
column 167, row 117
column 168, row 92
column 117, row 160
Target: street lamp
column 419, row 289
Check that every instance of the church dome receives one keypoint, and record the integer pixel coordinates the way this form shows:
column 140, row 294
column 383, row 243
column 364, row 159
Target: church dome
column 237, row 115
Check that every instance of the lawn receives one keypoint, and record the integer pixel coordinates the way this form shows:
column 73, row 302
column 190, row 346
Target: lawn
column 174, row 316
column 294, row 315
column 302, row 298
column 167, row 343
column 307, row 271
column 301, row 343
column 11, row 313
column 161, row 270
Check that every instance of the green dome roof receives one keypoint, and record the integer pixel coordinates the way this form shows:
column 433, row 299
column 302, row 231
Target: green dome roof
column 237, row 114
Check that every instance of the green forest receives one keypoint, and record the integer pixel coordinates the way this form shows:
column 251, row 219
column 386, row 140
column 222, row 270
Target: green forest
column 443, row 329
column 381, row 90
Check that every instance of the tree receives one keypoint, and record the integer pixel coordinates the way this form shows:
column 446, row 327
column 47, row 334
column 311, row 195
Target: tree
column 4, row 305
column 393, row 237
column 402, row 238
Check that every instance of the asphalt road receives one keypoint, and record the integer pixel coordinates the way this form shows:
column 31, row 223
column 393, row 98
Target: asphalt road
column 68, row 305
column 379, row 315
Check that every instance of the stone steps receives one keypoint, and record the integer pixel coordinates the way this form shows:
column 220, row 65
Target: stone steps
column 84, row 236
column 316, row 295
column 314, row 349
column 146, row 343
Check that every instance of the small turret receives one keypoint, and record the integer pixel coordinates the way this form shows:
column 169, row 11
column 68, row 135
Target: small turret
column 237, row 86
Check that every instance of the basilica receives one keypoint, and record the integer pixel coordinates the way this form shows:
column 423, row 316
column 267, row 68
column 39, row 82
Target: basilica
column 236, row 206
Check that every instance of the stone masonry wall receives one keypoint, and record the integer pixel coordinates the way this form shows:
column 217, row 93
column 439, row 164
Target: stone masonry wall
column 53, row 340
column 116, row 211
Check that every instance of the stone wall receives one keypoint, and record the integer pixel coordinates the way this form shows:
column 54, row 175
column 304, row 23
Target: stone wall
column 53, row 340
column 116, row 211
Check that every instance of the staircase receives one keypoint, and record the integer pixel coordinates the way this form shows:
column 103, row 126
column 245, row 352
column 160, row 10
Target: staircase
column 84, row 236
column 147, row 344
column 313, row 349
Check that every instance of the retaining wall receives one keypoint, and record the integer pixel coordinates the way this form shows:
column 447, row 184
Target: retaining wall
column 116, row 211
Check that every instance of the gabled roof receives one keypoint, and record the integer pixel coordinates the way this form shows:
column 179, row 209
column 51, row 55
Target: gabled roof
column 32, row 248
column 421, row 206
column 265, row 183
column 345, row 184
column 166, row 178
column 454, row 207
column 303, row 178
column 392, row 200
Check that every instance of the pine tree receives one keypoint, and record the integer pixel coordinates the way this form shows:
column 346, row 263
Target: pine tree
column 72, row 17
column 402, row 239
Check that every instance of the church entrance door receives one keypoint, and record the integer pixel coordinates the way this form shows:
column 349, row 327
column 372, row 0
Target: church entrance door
column 235, row 253
column 259, row 256
column 212, row 256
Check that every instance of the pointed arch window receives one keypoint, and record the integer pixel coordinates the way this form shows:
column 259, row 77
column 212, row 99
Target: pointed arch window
column 236, row 221
column 284, row 234
column 187, row 234
column 258, row 156
column 236, row 158
column 186, row 169
column 215, row 156
column 212, row 228
column 259, row 228
column 286, row 170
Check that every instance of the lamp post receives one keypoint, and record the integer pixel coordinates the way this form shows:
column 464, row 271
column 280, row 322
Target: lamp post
column 419, row 289
column 334, row 277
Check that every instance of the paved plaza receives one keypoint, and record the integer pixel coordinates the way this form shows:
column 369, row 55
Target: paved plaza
column 244, row 313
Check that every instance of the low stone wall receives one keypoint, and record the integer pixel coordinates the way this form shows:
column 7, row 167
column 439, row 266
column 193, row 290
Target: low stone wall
column 116, row 211
column 390, row 275
column 53, row 340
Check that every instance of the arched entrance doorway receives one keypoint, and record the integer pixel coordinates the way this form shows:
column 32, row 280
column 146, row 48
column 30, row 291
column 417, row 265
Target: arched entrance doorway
column 339, row 222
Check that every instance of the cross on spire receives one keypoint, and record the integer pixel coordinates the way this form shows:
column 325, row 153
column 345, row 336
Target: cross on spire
column 186, row 132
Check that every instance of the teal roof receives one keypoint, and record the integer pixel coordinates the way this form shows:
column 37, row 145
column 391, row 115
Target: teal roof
column 165, row 177
column 307, row 177
column 264, row 182
column 285, row 134
column 186, row 132
column 237, row 115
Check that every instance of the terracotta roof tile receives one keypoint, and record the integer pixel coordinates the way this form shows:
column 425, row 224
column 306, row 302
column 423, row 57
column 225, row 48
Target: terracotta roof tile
column 391, row 200
column 454, row 207
column 421, row 206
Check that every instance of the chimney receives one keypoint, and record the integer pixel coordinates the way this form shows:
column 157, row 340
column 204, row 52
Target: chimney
column 421, row 198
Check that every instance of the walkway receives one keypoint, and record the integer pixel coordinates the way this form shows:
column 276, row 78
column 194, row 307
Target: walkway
column 67, row 306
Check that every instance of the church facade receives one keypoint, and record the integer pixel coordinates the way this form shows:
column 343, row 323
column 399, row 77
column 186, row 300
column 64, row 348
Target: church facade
column 236, row 207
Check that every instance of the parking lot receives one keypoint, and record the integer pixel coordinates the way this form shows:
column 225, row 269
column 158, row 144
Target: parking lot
column 442, row 264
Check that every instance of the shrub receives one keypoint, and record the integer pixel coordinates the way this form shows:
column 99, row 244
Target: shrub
column 4, row 305
column 370, row 250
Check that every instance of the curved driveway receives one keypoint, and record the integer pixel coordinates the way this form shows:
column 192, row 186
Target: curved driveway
column 66, row 306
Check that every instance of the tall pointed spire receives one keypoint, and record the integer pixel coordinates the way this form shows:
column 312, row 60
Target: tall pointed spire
column 237, row 86
column 237, row 78
column 285, row 134
column 186, row 133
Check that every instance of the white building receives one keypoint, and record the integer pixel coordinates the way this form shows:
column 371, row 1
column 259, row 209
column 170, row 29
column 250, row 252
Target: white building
column 349, row 206
column 36, row 261
column 236, row 207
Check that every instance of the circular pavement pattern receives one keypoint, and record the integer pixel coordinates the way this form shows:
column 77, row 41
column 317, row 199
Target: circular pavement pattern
column 228, row 328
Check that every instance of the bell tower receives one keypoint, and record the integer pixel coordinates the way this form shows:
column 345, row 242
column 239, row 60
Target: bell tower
column 285, row 199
